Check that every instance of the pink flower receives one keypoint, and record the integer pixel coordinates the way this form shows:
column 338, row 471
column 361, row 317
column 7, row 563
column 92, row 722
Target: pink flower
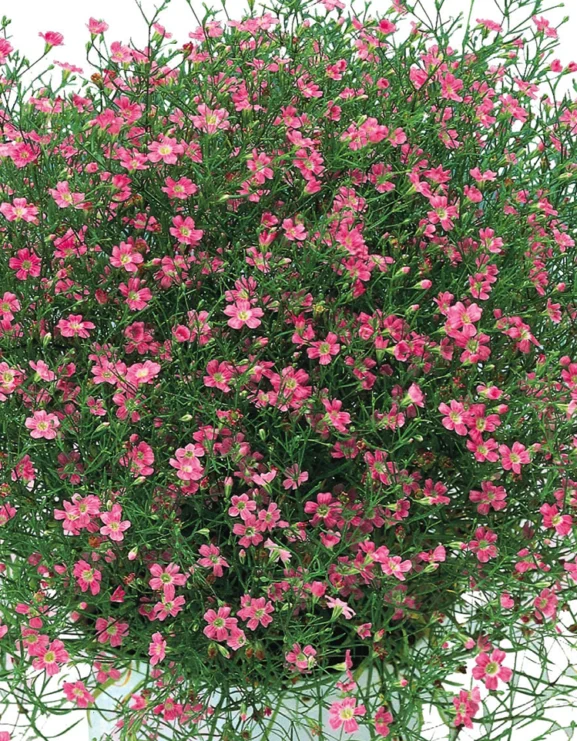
column 483, row 546
column 489, row 496
column 513, row 458
column 183, row 229
column 545, row 604
column 166, row 150
column 571, row 568
column 302, row 659
column 43, row 425
column 340, row 607
column 294, row 231
column 114, row 527
column 466, row 705
column 488, row 668
column 157, row 649
column 456, row 418
column 64, row 198
column 42, row 370
column 218, row 375
column 249, row 530
column 256, row 610
column 19, row 210
column 219, row 623
column 294, row 477
column 243, row 313
column 324, row 510
column 125, row 256
column 343, row 712
column 395, row 566
column 552, row 518
column 49, row 657
column 26, row 263
column 164, row 577
column 137, row 297
column 382, row 721
column 96, row 27
column 242, row 506
column 142, row 373
column 334, row 416
column 75, row 326
column 181, row 189
column 111, row 631
column 209, row 120
column 77, row 692
column 259, row 165
column 87, row 577
column 211, row 559
column 9, row 305
column 187, row 464
column 169, row 605
column 324, row 350
column 52, row 38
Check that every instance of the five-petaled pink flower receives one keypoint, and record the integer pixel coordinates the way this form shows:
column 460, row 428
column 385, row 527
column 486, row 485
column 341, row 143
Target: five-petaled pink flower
column 50, row 657
column 87, row 577
column 20, row 210
column 325, row 349
column 513, row 458
column 75, row 326
column 212, row 559
column 165, row 576
column 111, row 631
column 489, row 668
column 42, row 424
column 343, row 712
column 483, row 544
column 114, row 527
column 77, row 692
column 220, row 623
column 242, row 313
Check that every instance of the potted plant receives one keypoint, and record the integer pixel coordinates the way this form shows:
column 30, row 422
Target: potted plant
column 288, row 373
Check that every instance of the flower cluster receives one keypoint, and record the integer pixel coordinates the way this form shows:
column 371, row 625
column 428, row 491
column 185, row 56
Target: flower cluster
column 288, row 367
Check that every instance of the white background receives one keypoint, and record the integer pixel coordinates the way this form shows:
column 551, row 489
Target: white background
column 69, row 17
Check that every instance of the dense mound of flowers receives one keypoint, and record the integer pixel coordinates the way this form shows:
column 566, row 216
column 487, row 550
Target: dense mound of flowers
column 288, row 372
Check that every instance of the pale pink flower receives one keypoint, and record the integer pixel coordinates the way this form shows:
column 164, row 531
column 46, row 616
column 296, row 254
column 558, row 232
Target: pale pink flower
column 43, row 425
